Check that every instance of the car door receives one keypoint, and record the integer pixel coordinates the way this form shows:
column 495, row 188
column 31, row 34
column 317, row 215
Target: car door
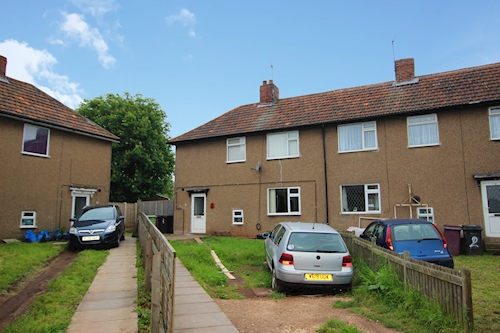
column 269, row 244
column 368, row 232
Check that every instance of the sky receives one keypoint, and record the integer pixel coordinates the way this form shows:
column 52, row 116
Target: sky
column 200, row 59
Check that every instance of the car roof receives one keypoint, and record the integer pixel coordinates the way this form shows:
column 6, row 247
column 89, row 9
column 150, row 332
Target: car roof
column 403, row 221
column 309, row 227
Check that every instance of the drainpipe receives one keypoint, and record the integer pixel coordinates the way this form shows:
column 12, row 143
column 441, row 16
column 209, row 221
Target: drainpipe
column 326, row 176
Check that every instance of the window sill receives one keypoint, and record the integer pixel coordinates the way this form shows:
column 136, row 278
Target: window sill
column 284, row 214
column 362, row 212
column 358, row 151
column 34, row 154
column 28, row 227
column 423, row 146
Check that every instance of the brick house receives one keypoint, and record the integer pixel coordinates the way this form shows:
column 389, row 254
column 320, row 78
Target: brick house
column 420, row 146
column 54, row 161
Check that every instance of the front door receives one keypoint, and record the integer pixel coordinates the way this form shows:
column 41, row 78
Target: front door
column 491, row 203
column 198, row 217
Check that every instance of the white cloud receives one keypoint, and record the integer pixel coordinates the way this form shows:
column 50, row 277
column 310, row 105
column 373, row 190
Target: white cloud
column 75, row 27
column 27, row 64
column 95, row 7
column 185, row 18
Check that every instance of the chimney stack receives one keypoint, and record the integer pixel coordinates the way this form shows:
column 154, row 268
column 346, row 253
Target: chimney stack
column 3, row 66
column 405, row 70
column 269, row 93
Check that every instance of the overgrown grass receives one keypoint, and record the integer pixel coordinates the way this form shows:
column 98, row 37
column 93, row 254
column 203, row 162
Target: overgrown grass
column 18, row 260
column 143, row 296
column 382, row 296
column 337, row 326
column 244, row 256
column 485, row 271
column 53, row 310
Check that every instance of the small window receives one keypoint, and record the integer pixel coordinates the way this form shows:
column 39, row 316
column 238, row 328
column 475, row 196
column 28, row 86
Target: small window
column 279, row 236
column 426, row 213
column 236, row 150
column 495, row 123
column 423, row 131
column 284, row 201
column 360, row 198
column 237, row 216
column 28, row 219
column 283, row 145
column 275, row 231
column 36, row 140
column 357, row 137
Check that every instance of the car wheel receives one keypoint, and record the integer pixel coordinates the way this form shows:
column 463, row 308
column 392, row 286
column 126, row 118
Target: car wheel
column 123, row 237
column 275, row 283
column 72, row 247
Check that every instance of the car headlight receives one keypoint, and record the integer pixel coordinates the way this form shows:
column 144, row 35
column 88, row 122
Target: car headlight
column 73, row 231
column 110, row 228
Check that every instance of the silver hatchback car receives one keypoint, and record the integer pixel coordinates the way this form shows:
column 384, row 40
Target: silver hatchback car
column 312, row 254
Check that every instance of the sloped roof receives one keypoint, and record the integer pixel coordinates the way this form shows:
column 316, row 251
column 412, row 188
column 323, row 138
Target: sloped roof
column 23, row 101
column 432, row 92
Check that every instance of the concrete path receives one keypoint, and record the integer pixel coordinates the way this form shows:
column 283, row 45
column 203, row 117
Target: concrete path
column 110, row 303
column 194, row 310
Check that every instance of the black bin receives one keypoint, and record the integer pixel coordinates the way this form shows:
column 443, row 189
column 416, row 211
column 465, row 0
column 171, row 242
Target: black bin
column 473, row 242
column 452, row 235
column 165, row 223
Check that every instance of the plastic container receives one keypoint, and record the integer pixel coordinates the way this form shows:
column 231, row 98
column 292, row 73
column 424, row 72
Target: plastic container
column 452, row 235
column 473, row 241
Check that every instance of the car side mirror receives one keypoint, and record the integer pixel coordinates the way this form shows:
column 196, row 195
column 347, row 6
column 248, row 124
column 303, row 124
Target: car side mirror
column 72, row 219
column 122, row 218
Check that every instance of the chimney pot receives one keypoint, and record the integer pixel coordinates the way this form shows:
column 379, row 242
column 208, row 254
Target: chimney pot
column 405, row 69
column 3, row 66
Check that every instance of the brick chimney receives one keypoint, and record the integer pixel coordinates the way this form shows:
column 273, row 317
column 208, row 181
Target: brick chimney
column 405, row 70
column 269, row 93
column 3, row 66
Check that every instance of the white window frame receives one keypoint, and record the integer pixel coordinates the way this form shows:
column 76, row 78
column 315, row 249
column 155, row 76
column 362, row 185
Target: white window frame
column 367, row 190
column 24, row 140
column 238, row 217
column 425, row 213
column 494, row 118
column 291, row 192
column 28, row 215
column 240, row 144
column 364, row 130
column 288, row 140
column 422, row 123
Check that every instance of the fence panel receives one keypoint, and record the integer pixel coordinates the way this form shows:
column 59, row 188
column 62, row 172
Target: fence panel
column 449, row 287
column 159, row 264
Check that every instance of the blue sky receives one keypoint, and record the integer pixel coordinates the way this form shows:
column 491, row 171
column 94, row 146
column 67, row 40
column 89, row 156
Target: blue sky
column 200, row 59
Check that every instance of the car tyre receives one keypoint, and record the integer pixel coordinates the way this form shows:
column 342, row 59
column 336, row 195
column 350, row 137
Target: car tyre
column 72, row 247
column 123, row 237
column 275, row 283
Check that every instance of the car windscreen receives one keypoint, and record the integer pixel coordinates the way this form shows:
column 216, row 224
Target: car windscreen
column 409, row 232
column 316, row 242
column 99, row 214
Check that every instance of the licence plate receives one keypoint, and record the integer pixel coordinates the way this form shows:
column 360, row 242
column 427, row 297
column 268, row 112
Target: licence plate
column 90, row 238
column 319, row 277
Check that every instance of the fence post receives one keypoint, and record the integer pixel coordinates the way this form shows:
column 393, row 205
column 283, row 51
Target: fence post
column 467, row 301
column 406, row 257
column 156, row 292
column 148, row 262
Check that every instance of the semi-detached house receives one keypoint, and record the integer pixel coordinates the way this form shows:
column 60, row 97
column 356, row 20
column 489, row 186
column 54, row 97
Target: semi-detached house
column 419, row 146
column 53, row 160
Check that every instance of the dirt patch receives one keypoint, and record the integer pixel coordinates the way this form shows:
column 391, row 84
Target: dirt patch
column 297, row 314
column 21, row 294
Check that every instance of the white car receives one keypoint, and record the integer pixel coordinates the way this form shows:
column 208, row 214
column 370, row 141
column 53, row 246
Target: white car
column 312, row 254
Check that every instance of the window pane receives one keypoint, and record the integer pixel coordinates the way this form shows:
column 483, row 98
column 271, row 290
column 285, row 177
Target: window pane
column 350, row 137
column 423, row 134
column 277, row 145
column 293, row 148
column 236, row 153
column 281, row 201
column 373, row 202
column 35, row 140
column 422, row 119
column 353, row 198
column 199, row 206
column 370, row 139
column 294, row 204
column 495, row 126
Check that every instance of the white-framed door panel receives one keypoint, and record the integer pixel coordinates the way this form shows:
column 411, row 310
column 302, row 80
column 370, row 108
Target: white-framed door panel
column 490, row 192
column 198, row 213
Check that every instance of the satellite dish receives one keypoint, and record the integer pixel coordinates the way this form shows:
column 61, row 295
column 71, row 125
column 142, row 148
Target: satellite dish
column 257, row 166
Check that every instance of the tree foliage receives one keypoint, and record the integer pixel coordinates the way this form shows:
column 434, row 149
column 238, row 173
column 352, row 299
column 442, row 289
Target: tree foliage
column 142, row 163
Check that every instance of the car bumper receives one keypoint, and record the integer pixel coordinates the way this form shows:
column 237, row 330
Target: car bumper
column 105, row 240
column 289, row 274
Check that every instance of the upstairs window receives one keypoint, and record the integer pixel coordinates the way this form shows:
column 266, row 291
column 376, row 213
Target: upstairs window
column 363, row 198
column 284, row 201
column 495, row 123
column 236, row 150
column 36, row 140
column 283, row 145
column 357, row 137
column 423, row 131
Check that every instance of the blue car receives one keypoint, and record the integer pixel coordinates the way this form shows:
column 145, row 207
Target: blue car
column 421, row 238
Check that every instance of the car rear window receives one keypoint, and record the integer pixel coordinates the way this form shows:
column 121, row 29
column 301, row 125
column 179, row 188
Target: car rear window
column 103, row 213
column 406, row 232
column 316, row 242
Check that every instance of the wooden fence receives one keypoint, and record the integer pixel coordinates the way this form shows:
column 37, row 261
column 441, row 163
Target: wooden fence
column 131, row 211
column 159, row 265
column 449, row 287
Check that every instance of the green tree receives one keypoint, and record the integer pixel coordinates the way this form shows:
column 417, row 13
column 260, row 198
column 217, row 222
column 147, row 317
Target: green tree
column 142, row 163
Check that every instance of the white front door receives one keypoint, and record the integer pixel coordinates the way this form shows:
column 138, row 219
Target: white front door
column 491, row 203
column 198, row 217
